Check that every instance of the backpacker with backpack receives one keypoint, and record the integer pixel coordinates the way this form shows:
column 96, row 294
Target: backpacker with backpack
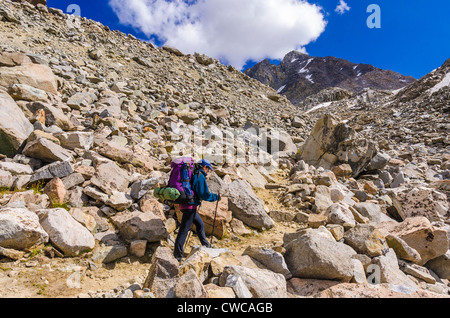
column 179, row 190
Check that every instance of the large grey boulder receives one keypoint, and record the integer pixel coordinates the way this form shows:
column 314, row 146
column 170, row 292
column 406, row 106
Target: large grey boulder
column 246, row 206
column 6, row 179
column 441, row 265
column 269, row 258
column 332, row 142
column 203, row 59
column 252, row 176
column 189, row 286
column 173, row 50
column 72, row 140
column 278, row 143
column 16, row 168
column 20, row 229
column 316, row 254
column 65, row 232
column 32, row 201
column 14, row 126
column 35, row 75
column 341, row 215
column 27, row 93
column 109, row 254
column 261, row 283
column 322, row 199
column 421, row 201
column 365, row 239
column 378, row 162
column 418, row 233
column 215, row 183
column 96, row 193
column 47, row 151
column 110, row 178
column 119, row 201
column 371, row 211
column 403, row 250
column 140, row 188
column 81, row 99
column 140, row 226
column 109, row 103
column 237, row 286
column 53, row 115
column 390, row 272
column 135, row 155
column 59, row 169
column 163, row 273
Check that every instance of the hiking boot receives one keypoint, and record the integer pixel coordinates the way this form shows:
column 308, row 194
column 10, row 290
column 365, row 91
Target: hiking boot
column 207, row 245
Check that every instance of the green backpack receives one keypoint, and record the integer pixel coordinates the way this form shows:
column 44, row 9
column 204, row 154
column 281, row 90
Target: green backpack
column 169, row 194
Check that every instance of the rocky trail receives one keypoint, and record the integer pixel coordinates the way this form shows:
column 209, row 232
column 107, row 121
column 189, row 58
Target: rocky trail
column 349, row 198
column 41, row 276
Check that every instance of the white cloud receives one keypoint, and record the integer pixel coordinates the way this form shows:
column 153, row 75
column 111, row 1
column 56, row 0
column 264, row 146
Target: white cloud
column 342, row 7
column 234, row 31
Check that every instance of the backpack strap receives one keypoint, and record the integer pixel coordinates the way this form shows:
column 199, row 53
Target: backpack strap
column 186, row 180
column 185, row 173
column 197, row 172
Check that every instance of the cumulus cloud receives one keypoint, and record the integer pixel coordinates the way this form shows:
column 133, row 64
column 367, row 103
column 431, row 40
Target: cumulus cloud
column 234, row 31
column 342, row 7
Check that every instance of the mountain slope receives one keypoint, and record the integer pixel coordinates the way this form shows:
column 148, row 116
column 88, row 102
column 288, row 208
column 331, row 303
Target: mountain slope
column 415, row 117
column 299, row 76
column 99, row 116
column 88, row 53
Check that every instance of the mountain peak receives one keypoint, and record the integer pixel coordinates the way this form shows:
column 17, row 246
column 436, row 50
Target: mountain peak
column 300, row 75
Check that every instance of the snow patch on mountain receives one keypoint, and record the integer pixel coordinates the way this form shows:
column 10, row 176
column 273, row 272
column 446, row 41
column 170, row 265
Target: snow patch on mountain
column 281, row 89
column 304, row 70
column 323, row 105
column 445, row 82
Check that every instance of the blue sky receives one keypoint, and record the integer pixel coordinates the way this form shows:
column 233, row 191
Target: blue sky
column 414, row 37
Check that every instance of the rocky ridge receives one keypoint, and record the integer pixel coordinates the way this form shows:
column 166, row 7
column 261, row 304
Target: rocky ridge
column 301, row 77
column 412, row 121
column 89, row 124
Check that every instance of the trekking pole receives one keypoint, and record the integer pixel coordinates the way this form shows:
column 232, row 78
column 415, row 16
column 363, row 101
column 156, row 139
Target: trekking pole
column 189, row 235
column 214, row 223
column 187, row 240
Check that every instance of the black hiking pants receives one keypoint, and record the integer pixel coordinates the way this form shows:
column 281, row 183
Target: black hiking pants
column 189, row 217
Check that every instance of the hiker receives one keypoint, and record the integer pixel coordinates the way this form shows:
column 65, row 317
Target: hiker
column 190, row 215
